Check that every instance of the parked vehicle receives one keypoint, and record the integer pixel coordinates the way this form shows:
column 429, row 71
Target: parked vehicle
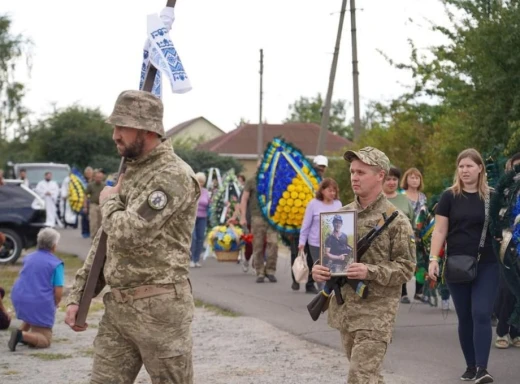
column 22, row 215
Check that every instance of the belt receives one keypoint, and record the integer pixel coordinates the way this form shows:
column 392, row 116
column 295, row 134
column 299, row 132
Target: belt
column 144, row 291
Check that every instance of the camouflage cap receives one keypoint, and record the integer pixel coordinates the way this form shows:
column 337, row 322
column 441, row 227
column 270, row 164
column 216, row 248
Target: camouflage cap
column 370, row 156
column 139, row 110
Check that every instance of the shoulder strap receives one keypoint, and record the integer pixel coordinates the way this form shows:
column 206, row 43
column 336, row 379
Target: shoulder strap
column 486, row 224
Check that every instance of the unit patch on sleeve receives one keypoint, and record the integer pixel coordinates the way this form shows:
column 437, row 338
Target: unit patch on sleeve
column 157, row 200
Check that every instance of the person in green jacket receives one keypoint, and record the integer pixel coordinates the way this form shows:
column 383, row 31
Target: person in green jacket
column 401, row 202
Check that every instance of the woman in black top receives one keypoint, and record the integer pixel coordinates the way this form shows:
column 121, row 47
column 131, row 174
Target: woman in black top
column 459, row 221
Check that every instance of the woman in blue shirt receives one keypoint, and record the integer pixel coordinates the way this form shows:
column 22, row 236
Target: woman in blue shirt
column 37, row 293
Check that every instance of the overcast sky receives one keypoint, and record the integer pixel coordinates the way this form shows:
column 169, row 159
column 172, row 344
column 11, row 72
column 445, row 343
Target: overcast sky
column 88, row 52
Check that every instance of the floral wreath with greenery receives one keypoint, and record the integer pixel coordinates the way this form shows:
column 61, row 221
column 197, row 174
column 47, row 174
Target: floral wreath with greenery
column 504, row 212
column 224, row 202
column 286, row 183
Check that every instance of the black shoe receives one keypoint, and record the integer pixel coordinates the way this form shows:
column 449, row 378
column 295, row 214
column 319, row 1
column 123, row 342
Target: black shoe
column 483, row 377
column 260, row 279
column 16, row 337
column 295, row 286
column 312, row 290
column 470, row 374
column 272, row 278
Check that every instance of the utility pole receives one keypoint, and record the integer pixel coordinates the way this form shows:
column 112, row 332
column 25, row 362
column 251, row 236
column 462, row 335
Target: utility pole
column 355, row 71
column 260, row 137
column 325, row 116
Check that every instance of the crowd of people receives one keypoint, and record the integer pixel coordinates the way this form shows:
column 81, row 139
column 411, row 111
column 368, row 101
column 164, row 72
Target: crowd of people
column 155, row 233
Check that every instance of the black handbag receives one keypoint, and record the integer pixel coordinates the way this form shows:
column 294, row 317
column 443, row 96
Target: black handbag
column 464, row 268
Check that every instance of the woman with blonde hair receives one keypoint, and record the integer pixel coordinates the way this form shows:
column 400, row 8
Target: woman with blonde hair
column 461, row 220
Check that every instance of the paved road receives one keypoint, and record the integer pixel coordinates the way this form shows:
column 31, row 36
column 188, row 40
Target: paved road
column 425, row 347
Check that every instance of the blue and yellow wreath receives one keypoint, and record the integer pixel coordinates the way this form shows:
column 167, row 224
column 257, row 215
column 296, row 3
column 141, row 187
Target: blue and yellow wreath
column 286, row 182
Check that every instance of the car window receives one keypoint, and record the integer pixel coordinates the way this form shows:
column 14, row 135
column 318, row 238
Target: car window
column 36, row 174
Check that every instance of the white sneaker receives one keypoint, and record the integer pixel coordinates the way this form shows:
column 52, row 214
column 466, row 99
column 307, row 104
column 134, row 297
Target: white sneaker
column 445, row 305
column 198, row 265
column 245, row 266
column 192, row 264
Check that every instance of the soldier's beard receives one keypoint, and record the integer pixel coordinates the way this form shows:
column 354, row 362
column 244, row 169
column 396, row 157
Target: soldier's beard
column 135, row 149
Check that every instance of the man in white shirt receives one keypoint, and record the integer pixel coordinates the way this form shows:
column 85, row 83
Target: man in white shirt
column 49, row 191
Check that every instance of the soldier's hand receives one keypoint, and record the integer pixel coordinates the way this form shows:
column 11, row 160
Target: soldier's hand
column 108, row 191
column 357, row 271
column 70, row 318
column 320, row 273
column 433, row 270
column 243, row 222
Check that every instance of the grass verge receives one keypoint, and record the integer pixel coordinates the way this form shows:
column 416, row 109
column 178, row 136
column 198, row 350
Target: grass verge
column 217, row 310
column 50, row 356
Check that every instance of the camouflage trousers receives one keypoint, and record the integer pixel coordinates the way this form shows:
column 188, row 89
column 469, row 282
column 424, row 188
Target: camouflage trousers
column 365, row 352
column 263, row 232
column 94, row 218
column 154, row 331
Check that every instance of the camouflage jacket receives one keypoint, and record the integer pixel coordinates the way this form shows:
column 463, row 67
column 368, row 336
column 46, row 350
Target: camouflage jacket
column 390, row 261
column 148, row 225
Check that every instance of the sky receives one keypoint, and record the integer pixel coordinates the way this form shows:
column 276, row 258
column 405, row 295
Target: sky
column 88, row 52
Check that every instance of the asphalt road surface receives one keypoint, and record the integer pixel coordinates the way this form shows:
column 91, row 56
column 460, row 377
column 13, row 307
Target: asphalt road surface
column 425, row 346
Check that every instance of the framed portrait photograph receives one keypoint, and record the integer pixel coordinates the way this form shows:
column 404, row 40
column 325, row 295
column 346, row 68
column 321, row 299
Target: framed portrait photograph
column 338, row 240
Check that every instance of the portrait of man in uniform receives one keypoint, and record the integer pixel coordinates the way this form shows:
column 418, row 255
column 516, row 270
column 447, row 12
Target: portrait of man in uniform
column 338, row 245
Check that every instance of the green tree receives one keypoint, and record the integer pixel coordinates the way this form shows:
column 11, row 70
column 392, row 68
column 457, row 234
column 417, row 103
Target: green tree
column 308, row 110
column 12, row 49
column 77, row 136
column 476, row 73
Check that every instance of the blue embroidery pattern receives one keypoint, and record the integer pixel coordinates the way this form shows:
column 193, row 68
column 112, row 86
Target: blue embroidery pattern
column 157, row 85
column 165, row 57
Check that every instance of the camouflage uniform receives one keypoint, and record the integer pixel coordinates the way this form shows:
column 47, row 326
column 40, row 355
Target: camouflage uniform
column 262, row 233
column 366, row 325
column 148, row 225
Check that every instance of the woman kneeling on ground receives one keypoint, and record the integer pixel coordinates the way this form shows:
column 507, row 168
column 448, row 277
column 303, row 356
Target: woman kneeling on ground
column 37, row 293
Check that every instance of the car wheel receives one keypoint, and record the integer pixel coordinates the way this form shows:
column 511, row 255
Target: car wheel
column 12, row 248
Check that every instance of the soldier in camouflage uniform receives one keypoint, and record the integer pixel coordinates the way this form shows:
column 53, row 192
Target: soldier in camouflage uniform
column 148, row 218
column 366, row 324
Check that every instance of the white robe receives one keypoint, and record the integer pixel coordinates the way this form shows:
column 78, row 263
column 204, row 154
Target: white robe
column 51, row 199
column 68, row 216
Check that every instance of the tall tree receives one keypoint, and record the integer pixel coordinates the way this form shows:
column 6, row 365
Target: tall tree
column 476, row 73
column 77, row 136
column 308, row 110
column 12, row 49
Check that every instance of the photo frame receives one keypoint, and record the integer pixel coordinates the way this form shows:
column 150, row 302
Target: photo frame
column 338, row 238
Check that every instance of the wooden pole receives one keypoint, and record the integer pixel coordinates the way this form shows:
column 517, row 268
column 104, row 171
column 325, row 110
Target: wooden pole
column 260, row 133
column 325, row 116
column 355, row 71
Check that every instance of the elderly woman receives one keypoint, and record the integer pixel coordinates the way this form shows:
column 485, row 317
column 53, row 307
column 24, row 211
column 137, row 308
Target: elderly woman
column 37, row 293
column 201, row 222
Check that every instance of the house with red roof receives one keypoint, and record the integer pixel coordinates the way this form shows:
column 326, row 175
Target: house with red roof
column 241, row 143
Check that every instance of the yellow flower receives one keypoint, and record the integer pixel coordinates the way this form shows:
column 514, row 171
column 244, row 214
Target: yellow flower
column 299, row 188
column 282, row 202
column 294, row 195
column 227, row 239
column 302, row 210
column 286, row 195
column 290, row 188
column 284, row 216
column 301, row 196
column 287, row 209
column 294, row 209
column 279, row 208
column 298, row 203
column 305, row 170
column 290, row 202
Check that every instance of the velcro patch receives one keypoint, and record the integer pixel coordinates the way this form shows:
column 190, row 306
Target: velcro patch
column 153, row 205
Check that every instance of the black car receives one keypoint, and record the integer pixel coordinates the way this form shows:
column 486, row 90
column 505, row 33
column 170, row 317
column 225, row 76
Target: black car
column 22, row 215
